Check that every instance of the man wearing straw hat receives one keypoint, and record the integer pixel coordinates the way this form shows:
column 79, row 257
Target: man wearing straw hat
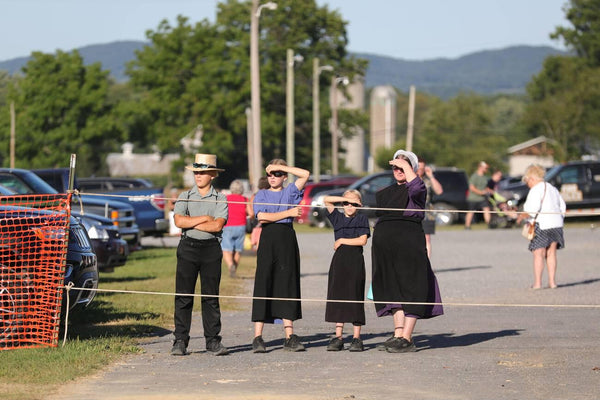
column 201, row 213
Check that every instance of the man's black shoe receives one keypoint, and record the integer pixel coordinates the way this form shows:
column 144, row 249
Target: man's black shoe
column 217, row 348
column 179, row 348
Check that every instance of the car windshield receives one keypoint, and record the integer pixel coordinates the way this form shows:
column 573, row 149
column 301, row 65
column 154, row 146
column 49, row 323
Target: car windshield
column 24, row 183
column 552, row 172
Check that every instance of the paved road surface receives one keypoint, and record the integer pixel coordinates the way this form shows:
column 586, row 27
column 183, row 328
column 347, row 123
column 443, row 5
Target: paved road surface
column 472, row 352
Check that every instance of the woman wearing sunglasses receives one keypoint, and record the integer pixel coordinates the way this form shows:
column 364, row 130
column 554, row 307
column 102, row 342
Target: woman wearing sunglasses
column 347, row 270
column 278, row 256
column 401, row 270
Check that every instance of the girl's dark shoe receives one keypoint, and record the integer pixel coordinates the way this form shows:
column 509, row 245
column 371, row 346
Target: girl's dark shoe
column 335, row 344
column 258, row 345
column 293, row 343
column 356, row 345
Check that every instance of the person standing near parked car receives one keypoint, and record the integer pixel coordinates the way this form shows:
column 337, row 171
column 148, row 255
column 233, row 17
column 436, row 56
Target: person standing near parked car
column 545, row 204
column 201, row 213
column 278, row 257
column 433, row 187
column 234, row 232
column 402, row 274
column 477, row 191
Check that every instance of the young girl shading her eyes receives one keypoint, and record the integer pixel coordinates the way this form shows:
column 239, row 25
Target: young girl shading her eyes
column 347, row 269
column 278, row 256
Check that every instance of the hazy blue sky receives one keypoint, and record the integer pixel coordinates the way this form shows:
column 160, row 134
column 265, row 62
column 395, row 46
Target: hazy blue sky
column 409, row 29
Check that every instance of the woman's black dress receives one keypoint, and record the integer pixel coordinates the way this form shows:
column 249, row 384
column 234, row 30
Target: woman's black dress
column 401, row 269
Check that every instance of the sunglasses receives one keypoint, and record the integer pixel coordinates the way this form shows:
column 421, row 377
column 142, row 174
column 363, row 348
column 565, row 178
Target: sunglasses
column 276, row 174
column 397, row 169
column 348, row 203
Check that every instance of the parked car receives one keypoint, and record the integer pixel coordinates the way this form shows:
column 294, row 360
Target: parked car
column 148, row 202
column 111, row 251
column 81, row 266
column 23, row 181
column 311, row 189
column 110, row 184
column 453, row 180
column 578, row 183
column 4, row 191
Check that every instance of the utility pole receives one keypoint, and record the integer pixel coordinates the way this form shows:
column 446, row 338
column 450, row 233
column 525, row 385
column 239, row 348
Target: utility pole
column 255, row 94
column 289, row 108
column 334, row 122
column 255, row 86
column 252, row 178
column 411, row 118
column 334, row 128
column 12, row 134
column 316, row 170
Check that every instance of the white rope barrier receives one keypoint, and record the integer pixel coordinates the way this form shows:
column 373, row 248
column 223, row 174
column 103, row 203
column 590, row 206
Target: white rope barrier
column 593, row 212
column 306, row 300
column 237, row 297
column 68, row 287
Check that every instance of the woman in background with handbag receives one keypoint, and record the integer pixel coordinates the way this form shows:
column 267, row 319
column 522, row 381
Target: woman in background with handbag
column 547, row 208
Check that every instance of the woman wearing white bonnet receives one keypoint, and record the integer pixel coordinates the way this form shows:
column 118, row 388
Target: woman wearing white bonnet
column 402, row 275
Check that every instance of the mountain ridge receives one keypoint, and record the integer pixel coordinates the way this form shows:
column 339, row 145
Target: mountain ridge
column 486, row 72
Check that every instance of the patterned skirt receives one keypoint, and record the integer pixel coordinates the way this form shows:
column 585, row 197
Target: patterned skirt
column 545, row 237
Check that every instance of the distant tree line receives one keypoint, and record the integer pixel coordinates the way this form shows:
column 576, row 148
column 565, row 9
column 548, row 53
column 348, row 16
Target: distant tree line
column 192, row 75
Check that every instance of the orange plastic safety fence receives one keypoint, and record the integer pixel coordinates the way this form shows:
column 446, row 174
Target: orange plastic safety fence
column 33, row 246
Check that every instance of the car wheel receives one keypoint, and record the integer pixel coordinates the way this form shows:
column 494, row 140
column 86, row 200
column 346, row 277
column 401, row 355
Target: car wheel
column 444, row 215
column 15, row 288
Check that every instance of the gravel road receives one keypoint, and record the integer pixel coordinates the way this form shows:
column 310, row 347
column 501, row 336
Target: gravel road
column 474, row 351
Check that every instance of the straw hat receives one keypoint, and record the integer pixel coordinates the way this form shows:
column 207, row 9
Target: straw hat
column 204, row 162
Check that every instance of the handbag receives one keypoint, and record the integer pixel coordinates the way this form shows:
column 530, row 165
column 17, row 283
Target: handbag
column 528, row 231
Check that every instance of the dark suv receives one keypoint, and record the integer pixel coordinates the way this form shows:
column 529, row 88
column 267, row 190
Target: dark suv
column 16, row 252
column 577, row 181
column 453, row 180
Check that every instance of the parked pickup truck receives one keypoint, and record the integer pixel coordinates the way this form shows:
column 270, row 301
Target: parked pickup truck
column 578, row 183
column 148, row 202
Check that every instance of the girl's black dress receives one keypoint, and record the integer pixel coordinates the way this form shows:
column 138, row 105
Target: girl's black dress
column 347, row 271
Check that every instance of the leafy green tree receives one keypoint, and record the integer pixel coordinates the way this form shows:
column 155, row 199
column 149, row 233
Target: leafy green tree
column 457, row 133
column 4, row 114
column 192, row 75
column 4, row 81
column 507, row 112
column 584, row 34
column 565, row 95
column 565, row 99
column 61, row 108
